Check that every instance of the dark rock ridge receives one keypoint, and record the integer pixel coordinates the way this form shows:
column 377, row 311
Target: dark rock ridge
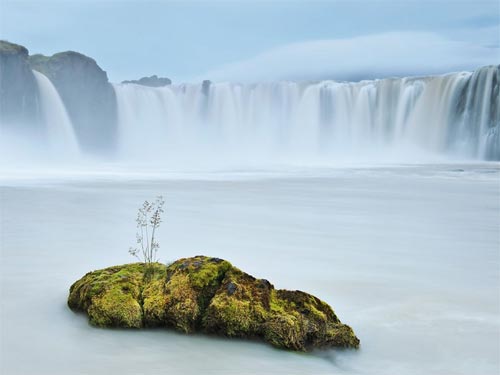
column 205, row 87
column 152, row 81
column 18, row 87
column 203, row 294
column 87, row 94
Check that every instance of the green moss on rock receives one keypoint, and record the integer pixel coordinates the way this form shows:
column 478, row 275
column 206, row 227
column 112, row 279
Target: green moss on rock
column 203, row 294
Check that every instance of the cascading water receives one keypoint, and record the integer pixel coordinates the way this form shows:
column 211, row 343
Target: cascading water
column 59, row 129
column 454, row 114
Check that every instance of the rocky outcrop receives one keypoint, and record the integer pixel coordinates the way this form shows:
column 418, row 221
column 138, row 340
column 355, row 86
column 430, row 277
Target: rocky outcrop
column 18, row 88
column 208, row 295
column 152, row 81
column 87, row 94
column 205, row 87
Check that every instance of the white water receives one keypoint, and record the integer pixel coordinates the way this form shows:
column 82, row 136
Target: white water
column 408, row 256
column 395, row 119
column 59, row 129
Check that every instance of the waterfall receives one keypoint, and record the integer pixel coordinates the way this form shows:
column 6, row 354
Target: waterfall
column 456, row 114
column 59, row 129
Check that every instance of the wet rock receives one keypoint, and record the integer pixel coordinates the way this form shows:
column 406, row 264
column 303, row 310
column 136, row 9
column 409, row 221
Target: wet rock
column 202, row 294
column 231, row 288
column 87, row 94
column 19, row 101
column 205, row 87
column 264, row 284
column 216, row 260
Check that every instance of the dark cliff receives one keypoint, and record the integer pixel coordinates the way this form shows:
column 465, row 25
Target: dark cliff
column 18, row 88
column 87, row 94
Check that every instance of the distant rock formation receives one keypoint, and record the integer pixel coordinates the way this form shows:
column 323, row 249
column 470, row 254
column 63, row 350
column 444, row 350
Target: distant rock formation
column 203, row 294
column 18, row 87
column 87, row 94
column 205, row 87
column 152, row 81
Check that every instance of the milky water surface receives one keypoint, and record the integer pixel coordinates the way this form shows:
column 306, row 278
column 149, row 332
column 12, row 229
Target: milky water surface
column 408, row 256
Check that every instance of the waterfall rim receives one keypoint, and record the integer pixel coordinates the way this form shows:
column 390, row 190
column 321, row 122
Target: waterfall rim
column 316, row 81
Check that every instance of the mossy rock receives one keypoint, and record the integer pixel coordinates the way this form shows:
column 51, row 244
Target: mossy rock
column 203, row 294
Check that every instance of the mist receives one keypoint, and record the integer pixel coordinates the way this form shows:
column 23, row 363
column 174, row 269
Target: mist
column 451, row 117
column 344, row 154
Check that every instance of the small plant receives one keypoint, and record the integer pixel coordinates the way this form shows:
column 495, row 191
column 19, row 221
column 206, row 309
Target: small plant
column 148, row 220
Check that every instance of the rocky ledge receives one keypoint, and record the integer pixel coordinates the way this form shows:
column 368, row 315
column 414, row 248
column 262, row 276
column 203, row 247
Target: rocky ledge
column 203, row 294
column 18, row 88
column 153, row 81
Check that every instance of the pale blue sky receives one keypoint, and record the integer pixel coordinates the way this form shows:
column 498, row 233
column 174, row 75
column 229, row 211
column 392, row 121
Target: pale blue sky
column 261, row 40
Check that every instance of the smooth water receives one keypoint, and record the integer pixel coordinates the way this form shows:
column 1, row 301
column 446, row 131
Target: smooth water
column 407, row 255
